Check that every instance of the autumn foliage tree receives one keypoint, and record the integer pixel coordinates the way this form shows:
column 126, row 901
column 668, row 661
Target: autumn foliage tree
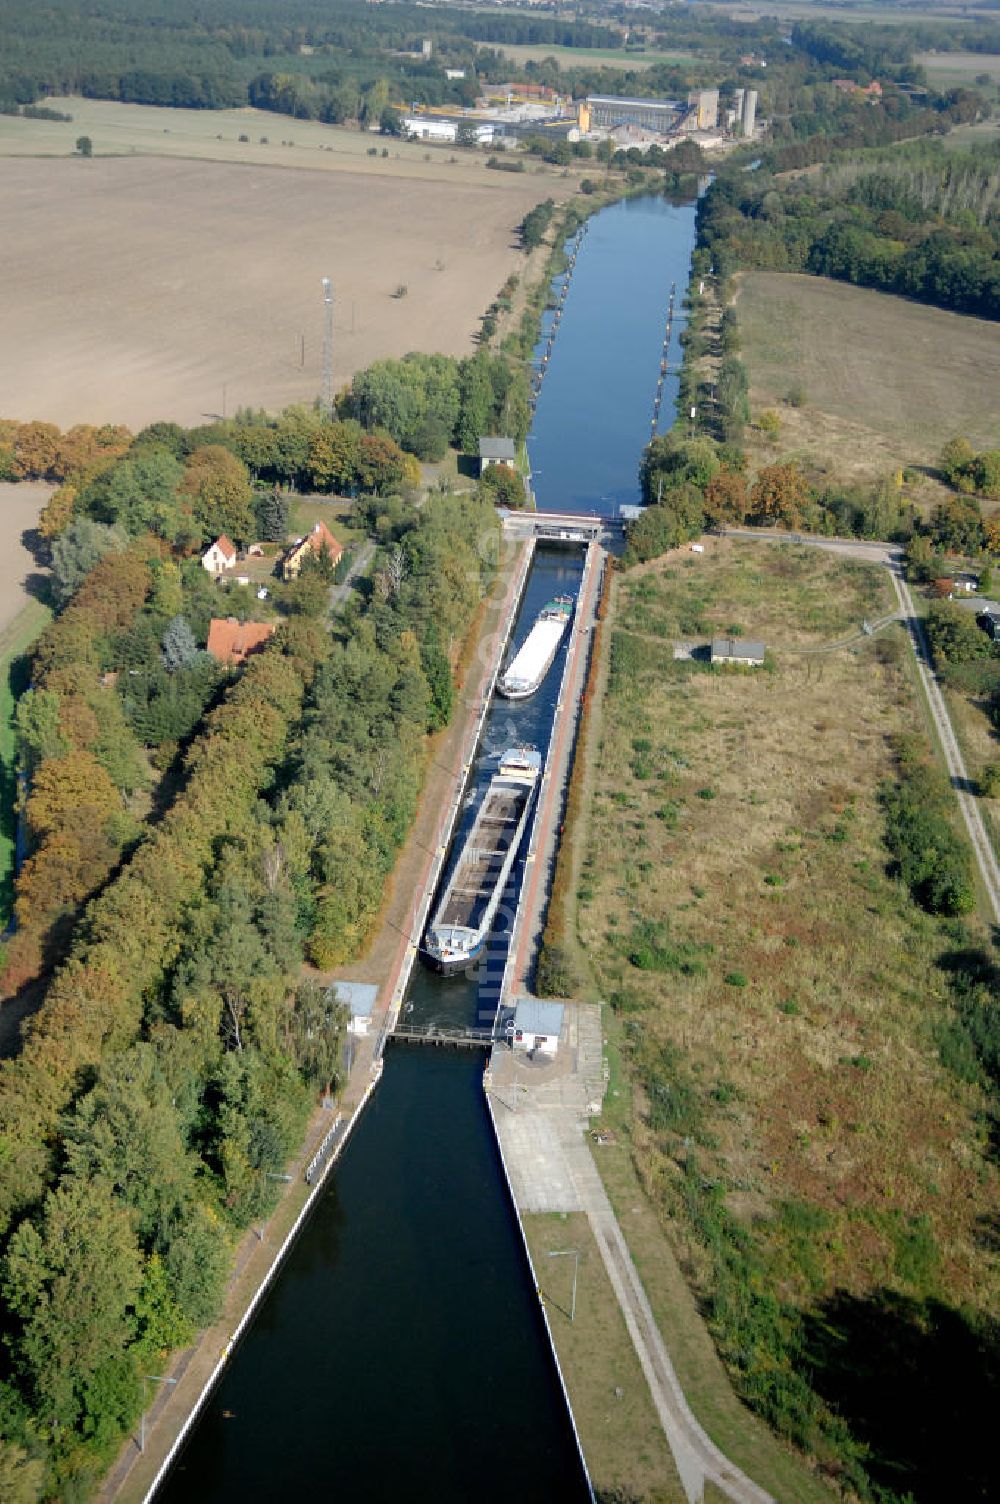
column 780, row 493
column 221, row 497
column 726, row 497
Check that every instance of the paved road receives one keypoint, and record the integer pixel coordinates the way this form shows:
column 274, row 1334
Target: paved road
column 986, row 860
column 891, row 556
column 849, row 548
column 360, row 562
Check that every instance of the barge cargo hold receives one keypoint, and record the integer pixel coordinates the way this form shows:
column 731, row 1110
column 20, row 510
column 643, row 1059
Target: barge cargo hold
column 457, row 934
column 534, row 657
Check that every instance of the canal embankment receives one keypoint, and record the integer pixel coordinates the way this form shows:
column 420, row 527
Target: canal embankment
column 545, row 831
column 541, row 1108
column 181, row 1392
column 406, row 1323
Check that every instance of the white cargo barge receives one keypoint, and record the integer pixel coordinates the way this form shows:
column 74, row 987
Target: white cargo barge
column 457, row 934
column 534, row 657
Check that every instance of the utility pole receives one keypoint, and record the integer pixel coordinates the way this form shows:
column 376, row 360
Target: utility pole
column 149, row 1378
column 574, row 1254
column 327, row 397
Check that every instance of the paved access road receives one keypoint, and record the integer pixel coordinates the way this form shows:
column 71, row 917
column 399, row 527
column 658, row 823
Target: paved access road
column 891, row 556
column 986, row 860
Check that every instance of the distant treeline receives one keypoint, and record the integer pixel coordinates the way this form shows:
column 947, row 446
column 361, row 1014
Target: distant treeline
column 922, row 222
column 321, row 61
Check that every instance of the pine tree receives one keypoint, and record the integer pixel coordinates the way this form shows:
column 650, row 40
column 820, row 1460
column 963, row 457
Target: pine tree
column 179, row 646
column 271, row 511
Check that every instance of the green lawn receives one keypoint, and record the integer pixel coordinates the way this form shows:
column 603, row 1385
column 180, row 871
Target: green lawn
column 337, row 513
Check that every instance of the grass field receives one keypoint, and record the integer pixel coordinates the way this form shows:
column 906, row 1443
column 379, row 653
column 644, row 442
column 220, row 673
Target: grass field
column 886, row 382
column 594, row 57
column 157, row 283
column 623, row 1441
column 983, row 133
column 776, row 995
column 950, row 70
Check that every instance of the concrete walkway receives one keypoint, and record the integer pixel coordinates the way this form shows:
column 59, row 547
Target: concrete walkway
column 542, row 1110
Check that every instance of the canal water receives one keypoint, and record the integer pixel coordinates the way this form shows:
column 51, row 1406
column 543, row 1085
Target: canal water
column 400, row 1352
column 595, row 406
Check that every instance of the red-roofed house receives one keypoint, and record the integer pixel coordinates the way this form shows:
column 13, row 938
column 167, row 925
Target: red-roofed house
column 231, row 641
column 221, row 555
column 319, row 541
column 872, row 91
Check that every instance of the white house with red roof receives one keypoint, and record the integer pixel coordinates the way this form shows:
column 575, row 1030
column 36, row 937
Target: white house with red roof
column 221, row 555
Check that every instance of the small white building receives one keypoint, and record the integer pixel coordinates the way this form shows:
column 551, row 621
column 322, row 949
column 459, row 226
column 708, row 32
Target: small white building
column 496, row 451
column 359, row 999
column 220, row 556
column 445, row 128
column 537, row 1025
column 734, row 652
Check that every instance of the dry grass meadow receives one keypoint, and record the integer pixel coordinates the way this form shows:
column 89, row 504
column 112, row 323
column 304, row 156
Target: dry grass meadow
column 887, row 382
column 796, row 1004
column 177, row 276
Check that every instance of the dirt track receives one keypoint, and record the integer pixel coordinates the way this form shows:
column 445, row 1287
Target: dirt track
column 134, row 289
column 19, row 509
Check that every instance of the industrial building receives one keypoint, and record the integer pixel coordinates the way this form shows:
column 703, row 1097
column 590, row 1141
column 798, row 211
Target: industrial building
column 705, row 105
column 605, row 112
column 743, row 115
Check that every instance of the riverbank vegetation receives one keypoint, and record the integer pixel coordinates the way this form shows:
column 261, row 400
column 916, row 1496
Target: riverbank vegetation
column 859, row 457
column 815, row 1087
column 178, row 1049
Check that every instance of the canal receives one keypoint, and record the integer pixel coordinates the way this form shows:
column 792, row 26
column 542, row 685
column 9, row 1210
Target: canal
column 401, row 1352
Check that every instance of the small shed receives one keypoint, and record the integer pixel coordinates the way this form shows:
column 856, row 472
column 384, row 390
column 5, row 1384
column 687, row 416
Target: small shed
column 359, row 999
column 735, row 652
column 537, row 1025
column 496, row 451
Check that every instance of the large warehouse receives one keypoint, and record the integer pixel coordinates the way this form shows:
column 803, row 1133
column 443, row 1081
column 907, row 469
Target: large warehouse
column 604, row 111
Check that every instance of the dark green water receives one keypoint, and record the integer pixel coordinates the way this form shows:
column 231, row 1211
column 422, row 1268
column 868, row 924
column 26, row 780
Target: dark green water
column 400, row 1354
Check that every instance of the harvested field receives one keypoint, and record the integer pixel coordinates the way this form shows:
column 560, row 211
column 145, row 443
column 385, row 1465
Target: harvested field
column 144, row 288
column 886, row 382
column 780, row 999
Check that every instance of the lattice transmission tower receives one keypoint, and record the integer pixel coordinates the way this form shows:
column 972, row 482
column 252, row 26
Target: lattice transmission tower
column 328, row 348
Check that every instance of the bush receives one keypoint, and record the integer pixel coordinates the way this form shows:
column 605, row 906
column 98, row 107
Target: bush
column 930, row 857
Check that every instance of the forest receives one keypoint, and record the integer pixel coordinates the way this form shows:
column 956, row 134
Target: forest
column 919, row 221
column 335, row 63
column 197, row 834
